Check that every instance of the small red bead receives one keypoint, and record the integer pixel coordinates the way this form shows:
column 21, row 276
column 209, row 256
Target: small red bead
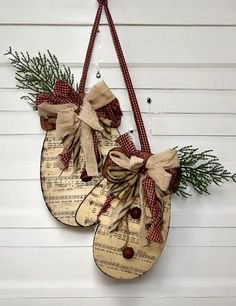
column 128, row 252
column 135, row 212
column 84, row 176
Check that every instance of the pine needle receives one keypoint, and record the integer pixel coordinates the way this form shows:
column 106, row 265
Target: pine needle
column 38, row 74
column 200, row 170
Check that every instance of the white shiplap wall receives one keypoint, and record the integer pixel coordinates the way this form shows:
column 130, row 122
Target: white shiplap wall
column 182, row 54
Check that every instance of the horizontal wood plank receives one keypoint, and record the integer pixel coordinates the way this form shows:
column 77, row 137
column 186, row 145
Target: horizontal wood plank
column 149, row 77
column 83, row 12
column 163, row 301
column 25, row 207
column 29, row 146
column 72, row 237
column 193, row 124
column 160, row 124
column 70, row 272
column 180, row 45
column 167, row 101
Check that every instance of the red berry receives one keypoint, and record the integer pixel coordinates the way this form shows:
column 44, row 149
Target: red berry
column 128, row 252
column 135, row 212
column 84, row 176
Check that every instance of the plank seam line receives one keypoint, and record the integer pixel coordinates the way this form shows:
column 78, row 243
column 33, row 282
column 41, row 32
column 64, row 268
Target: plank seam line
column 118, row 297
column 90, row 246
column 160, row 135
column 166, row 135
column 119, row 24
column 91, row 229
column 152, row 66
column 182, row 89
column 143, row 112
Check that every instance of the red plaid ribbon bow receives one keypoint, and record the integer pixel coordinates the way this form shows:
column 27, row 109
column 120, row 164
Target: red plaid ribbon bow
column 150, row 170
column 106, row 113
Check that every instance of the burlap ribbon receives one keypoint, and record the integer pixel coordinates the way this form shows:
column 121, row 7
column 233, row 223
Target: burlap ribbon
column 155, row 166
column 75, row 130
column 127, row 177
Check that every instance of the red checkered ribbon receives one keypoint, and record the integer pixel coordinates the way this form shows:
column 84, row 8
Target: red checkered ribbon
column 89, row 52
column 111, row 111
column 106, row 205
column 62, row 93
column 65, row 158
column 154, row 232
column 127, row 145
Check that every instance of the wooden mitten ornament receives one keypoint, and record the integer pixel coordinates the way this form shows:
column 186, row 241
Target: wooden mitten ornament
column 133, row 201
column 74, row 148
column 80, row 130
column 135, row 218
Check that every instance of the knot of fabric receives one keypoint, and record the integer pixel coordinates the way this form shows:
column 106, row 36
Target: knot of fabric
column 74, row 125
column 103, row 2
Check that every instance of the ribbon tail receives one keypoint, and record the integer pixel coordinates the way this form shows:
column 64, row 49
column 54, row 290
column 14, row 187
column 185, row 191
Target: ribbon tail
column 88, row 115
column 118, row 213
column 142, row 228
column 106, row 205
column 154, row 233
column 88, row 149
column 63, row 159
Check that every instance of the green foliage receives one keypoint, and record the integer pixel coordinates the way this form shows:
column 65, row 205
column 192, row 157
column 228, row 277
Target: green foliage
column 38, row 74
column 200, row 170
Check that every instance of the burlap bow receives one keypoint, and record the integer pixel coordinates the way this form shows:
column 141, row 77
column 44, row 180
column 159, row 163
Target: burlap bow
column 134, row 176
column 155, row 166
column 75, row 129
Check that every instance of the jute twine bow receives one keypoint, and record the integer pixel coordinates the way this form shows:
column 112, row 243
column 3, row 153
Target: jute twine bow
column 74, row 126
column 135, row 176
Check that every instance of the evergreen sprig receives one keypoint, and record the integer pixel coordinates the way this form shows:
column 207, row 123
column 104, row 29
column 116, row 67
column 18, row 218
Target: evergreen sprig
column 38, row 74
column 200, row 170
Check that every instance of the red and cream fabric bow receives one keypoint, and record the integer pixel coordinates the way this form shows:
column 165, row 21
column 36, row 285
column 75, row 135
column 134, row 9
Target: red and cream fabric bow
column 75, row 122
column 132, row 173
